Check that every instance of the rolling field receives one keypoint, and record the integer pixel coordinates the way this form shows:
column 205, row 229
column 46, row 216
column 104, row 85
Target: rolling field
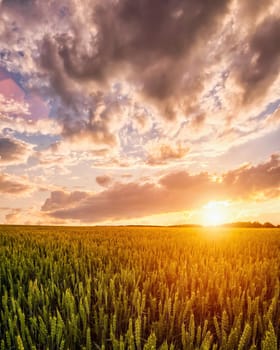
column 139, row 288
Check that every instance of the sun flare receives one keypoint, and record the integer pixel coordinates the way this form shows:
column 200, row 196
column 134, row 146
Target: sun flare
column 215, row 213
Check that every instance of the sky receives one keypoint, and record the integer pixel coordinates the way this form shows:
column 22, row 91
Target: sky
column 139, row 112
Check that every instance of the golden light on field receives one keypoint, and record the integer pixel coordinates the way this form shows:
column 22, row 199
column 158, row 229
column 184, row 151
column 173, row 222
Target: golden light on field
column 215, row 213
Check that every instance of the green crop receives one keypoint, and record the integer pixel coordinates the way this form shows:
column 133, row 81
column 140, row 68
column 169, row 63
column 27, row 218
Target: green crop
column 139, row 288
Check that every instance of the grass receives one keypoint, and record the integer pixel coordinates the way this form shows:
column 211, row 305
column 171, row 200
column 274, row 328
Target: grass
column 139, row 288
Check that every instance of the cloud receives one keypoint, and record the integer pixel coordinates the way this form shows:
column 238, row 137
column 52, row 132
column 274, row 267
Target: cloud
column 66, row 153
column 8, row 185
column 173, row 192
column 28, row 216
column 103, row 180
column 60, row 198
column 140, row 87
column 141, row 122
column 24, row 113
column 13, row 151
column 250, row 180
column 202, row 69
column 97, row 126
column 274, row 118
column 137, row 42
column 140, row 33
column 12, row 216
column 261, row 60
column 254, row 12
column 159, row 154
column 11, row 108
column 84, row 117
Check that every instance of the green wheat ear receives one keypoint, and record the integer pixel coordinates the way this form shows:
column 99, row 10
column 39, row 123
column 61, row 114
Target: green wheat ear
column 151, row 342
column 138, row 333
column 270, row 340
column 19, row 343
column 253, row 347
column 244, row 340
column 88, row 340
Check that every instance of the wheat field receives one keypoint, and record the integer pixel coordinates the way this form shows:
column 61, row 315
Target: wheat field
column 139, row 288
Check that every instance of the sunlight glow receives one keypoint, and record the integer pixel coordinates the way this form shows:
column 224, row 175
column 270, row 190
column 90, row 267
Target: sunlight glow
column 215, row 213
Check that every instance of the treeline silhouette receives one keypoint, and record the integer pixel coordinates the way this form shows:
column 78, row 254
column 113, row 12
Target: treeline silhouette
column 248, row 224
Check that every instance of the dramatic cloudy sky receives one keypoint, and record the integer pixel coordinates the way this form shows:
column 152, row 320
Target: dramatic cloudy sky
column 139, row 111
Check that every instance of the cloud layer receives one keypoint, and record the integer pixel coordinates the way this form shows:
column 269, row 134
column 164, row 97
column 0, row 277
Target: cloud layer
column 173, row 192
column 194, row 63
column 8, row 185
column 96, row 92
column 13, row 151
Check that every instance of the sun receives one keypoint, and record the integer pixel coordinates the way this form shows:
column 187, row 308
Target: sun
column 215, row 213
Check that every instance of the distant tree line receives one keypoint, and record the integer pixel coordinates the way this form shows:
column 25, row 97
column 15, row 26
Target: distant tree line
column 248, row 224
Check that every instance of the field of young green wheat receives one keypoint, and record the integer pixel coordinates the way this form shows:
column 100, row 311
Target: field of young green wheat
column 139, row 288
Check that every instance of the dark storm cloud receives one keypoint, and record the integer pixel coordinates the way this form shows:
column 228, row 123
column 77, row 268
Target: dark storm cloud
column 76, row 111
column 252, row 9
column 173, row 192
column 261, row 63
column 140, row 39
column 12, row 151
column 169, row 51
column 10, row 186
column 52, row 64
column 20, row 6
column 31, row 12
column 141, row 32
column 92, row 122
column 19, row 3
column 22, row 12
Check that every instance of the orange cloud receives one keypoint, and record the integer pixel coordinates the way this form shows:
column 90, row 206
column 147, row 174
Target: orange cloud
column 103, row 180
column 61, row 199
column 163, row 153
column 10, row 186
column 173, row 192
column 249, row 180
